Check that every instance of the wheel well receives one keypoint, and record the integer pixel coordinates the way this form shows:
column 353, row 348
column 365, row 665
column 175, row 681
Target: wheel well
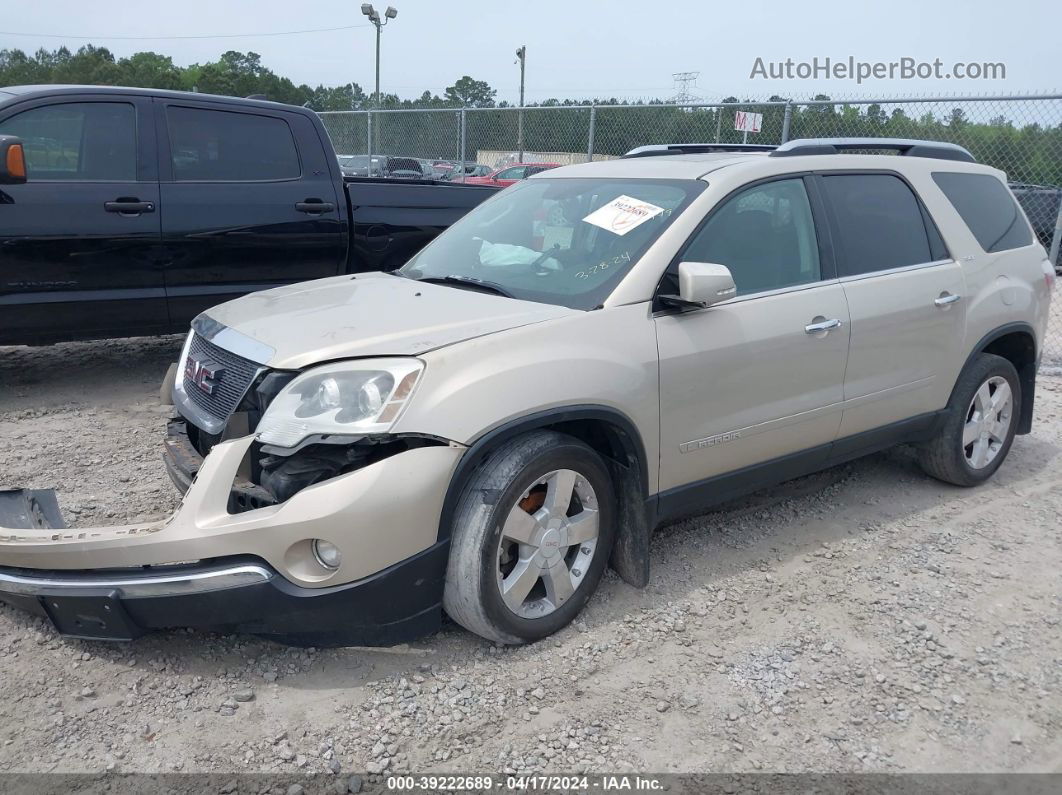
column 625, row 461
column 1019, row 348
column 615, row 438
column 606, row 439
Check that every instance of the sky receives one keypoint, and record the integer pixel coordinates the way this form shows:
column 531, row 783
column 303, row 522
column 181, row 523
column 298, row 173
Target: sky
column 579, row 48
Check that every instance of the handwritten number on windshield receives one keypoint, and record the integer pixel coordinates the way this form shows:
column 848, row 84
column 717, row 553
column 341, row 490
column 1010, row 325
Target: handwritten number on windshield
column 604, row 265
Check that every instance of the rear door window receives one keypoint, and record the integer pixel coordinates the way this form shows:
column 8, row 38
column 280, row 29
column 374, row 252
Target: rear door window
column 77, row 141
column 223, row 146
column 988, row 209
column 879, row 223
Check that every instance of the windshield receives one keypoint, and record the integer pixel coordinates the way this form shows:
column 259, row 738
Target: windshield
column 555, row 240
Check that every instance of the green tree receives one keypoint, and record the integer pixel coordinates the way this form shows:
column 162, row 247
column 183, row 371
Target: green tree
column 348, row 97
column 470, row 93
column 150, row 70
column 92, row 65
column 233, row 74
column 18, row 68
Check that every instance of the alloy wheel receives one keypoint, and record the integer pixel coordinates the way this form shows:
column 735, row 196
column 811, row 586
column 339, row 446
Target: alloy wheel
column 547, row 543
column 988, row 422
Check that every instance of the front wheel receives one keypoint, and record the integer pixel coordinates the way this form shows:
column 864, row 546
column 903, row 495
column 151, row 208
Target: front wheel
column 530, row 540
column 979, row 427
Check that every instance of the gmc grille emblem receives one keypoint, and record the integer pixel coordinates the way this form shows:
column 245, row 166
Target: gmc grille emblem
column 203, row 374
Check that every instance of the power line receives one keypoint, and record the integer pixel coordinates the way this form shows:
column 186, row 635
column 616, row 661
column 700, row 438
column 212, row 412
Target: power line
column 161, row 38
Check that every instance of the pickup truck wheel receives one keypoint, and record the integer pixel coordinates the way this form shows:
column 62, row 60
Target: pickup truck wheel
column 979, row 427
column 531, row 538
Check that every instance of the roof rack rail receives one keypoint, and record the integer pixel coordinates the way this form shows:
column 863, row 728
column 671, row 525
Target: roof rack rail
column 652, row 150
column 904, row 146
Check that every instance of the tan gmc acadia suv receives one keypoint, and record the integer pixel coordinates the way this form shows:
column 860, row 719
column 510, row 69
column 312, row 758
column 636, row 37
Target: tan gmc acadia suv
column 594, row 351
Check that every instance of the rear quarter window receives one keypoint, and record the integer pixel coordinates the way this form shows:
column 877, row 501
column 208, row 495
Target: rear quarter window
column 988, row 209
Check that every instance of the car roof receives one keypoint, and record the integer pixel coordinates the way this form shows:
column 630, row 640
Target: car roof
column 32, row 91
column 685, row 166
column 699, row 166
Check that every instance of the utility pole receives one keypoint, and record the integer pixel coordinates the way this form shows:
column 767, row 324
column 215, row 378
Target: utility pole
column 521, row 57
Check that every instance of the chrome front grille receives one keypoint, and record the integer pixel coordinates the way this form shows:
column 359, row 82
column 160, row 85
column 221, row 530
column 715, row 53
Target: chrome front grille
column 233, row 376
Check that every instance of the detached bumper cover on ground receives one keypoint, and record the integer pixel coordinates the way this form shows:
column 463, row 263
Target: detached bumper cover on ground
column 254, row 571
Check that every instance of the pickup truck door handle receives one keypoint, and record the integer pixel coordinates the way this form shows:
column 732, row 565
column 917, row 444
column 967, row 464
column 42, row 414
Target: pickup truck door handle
column 822, row 325
column 314, row 206
column 131, row 206
column 946, row 298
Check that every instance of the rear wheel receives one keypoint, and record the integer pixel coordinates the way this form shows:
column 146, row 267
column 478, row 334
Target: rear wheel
column 531, row 538
column 980, row 424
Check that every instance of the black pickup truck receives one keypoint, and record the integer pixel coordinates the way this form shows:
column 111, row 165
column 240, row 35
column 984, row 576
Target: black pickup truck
column 140, row 208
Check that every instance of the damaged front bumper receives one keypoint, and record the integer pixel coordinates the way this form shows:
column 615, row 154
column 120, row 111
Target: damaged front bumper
column 393, row 606
column 251, row 571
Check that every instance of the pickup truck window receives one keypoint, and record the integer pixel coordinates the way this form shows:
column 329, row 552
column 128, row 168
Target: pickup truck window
column 222, row 146
column 77, row 141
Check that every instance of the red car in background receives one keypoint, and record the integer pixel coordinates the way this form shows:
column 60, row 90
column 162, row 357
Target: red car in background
column 510, row 174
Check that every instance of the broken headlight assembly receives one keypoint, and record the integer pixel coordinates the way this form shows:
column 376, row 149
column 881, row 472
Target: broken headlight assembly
column 351, row 398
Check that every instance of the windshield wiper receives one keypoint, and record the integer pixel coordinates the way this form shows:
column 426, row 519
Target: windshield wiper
column 467, row 281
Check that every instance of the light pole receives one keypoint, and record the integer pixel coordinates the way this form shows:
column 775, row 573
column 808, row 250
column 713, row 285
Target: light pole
column 521, row 57
column 374, row 18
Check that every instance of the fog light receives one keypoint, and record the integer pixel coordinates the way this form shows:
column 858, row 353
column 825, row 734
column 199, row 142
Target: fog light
column 327, row 554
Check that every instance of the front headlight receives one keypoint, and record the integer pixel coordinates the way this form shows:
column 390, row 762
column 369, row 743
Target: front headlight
column 355, row 397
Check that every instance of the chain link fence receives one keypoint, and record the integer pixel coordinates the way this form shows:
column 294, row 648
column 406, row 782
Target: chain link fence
column 1022, row 135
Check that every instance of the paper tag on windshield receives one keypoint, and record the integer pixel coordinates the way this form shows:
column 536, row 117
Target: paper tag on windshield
column 623, row 214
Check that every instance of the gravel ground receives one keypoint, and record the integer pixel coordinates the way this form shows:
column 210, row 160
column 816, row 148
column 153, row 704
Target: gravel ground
column 863, row 619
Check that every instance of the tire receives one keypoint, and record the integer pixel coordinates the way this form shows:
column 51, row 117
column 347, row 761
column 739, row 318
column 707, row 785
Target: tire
column 946, row 457
column 521, row 479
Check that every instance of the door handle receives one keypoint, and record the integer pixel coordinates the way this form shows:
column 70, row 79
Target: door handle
column 946, row 298
column 129, row 207
column 823, row 325
column 314, row 206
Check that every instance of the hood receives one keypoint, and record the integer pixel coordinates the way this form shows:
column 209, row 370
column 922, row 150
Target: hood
column 370, row 314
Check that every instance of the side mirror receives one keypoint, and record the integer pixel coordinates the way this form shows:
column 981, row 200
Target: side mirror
column 12, row 161
column 701, row 284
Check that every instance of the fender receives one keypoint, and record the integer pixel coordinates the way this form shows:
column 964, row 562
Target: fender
column 627, row 464
column 1026, row 374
